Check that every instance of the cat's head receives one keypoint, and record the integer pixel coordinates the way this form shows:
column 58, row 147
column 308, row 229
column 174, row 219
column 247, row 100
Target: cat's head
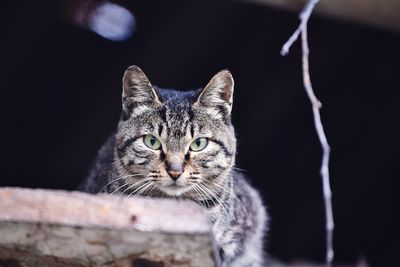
column 174, row 142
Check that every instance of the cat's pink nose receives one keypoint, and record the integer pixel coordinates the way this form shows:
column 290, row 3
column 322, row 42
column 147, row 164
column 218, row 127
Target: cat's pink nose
column 174, row 169
column 174, row 166
column 174, row 174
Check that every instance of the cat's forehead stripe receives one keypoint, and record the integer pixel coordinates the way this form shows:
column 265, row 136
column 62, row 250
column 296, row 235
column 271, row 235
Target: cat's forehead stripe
column 177, row 119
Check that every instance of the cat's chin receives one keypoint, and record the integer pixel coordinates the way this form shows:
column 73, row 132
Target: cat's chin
column 174, row 190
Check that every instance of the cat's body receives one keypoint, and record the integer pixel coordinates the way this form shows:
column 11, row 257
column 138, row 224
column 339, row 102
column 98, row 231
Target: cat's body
column 182, row 144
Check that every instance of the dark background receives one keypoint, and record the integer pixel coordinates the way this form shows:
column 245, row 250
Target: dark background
column 60, row 88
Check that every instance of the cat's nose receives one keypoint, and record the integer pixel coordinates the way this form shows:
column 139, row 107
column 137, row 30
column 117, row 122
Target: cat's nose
column 174, row 175
column 175, row 170
column 174, row 165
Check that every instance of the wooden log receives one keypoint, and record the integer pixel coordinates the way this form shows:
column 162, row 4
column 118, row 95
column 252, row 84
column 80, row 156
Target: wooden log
column 58, row 228
column 383, row 13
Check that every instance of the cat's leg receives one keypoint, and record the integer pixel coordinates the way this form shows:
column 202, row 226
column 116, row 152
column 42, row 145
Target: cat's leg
column 240, row 246
column 249, row 258
column 235, row 250
column 234, row 254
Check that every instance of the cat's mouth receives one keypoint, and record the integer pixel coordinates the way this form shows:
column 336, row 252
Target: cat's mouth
column 175, row 186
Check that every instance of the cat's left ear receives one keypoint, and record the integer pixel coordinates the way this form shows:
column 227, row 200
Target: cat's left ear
column 218, row 93
column 137, row 88
column 138, row 93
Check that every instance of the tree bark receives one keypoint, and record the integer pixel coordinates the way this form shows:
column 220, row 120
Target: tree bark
column 58, row 228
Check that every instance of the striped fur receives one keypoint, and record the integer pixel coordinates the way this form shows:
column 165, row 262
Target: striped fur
column 125, row 165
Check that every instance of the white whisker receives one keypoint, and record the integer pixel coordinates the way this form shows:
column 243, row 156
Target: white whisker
column 239, row 169
column 118, row 188
column 117, row 179
column 240, row 203
column 146, row 190
column 137, row 183
column 140, row 188
column 218, row 199
column 202, row 197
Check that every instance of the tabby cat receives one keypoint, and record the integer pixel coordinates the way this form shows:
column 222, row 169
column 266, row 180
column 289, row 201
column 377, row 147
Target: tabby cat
column 182, row 144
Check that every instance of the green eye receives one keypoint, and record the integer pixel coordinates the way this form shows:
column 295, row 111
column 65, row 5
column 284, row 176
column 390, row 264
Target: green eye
column 199, row 144
column 151, row 142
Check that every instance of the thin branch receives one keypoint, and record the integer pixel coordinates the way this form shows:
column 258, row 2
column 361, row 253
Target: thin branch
column 304, row 16
column 316, row 105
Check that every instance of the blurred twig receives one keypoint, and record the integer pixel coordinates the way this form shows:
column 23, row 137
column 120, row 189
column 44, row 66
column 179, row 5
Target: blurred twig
column 380, row 13
column 316, row 105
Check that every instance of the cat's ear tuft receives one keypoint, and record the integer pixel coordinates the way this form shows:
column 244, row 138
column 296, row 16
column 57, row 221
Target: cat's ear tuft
column 137, row 88
column 218, row 92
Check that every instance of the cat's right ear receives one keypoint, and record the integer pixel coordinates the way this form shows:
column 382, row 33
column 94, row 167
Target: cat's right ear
column 217, row 96
column 137, row 89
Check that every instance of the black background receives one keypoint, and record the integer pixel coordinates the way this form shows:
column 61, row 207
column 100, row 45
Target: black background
column 60, row 88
